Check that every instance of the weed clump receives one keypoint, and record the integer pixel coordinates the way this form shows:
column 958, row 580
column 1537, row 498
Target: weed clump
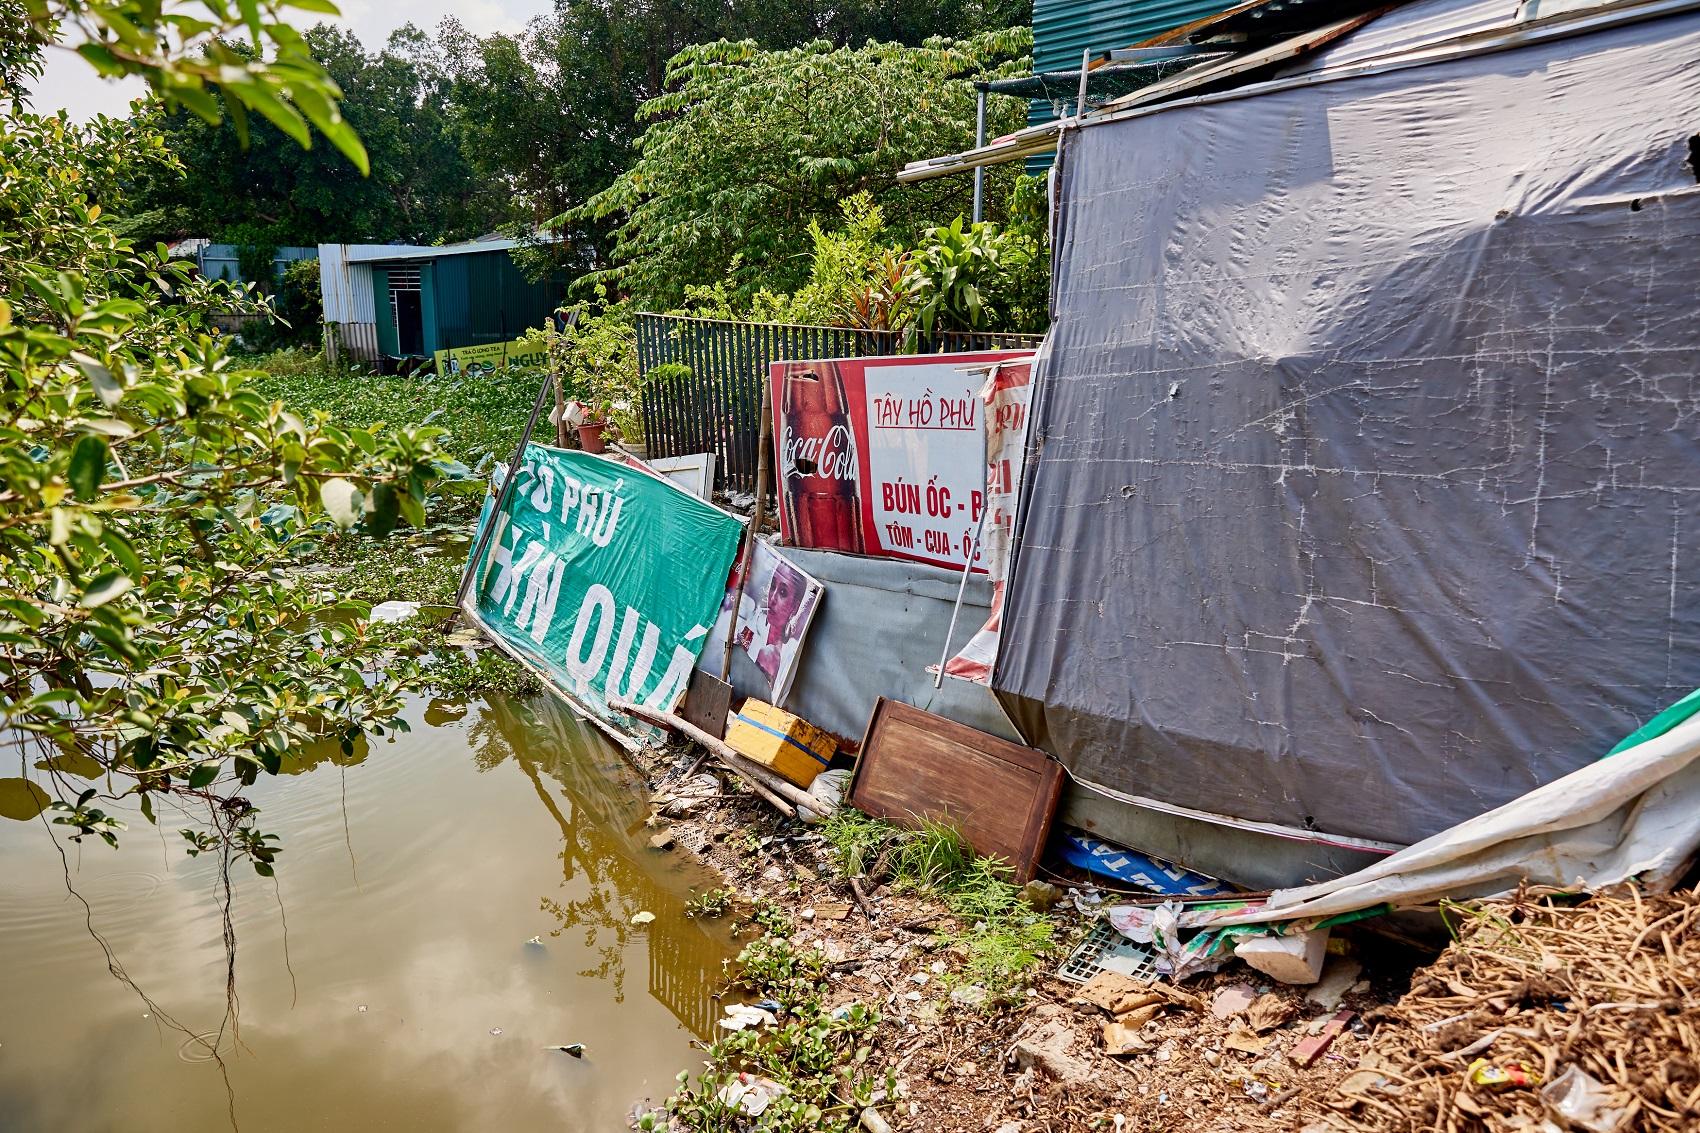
column 1003, row 938
column 819, row 1057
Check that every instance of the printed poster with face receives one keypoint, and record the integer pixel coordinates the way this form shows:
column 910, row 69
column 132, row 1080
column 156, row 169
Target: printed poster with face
column 778, row 604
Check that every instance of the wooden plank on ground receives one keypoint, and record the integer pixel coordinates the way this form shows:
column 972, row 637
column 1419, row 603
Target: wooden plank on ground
column 1000, row 795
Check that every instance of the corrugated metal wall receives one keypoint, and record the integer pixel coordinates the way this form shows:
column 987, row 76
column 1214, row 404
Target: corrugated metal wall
column 1062, row 29
column 350, row 320
column 222, row 261
column 482, row 297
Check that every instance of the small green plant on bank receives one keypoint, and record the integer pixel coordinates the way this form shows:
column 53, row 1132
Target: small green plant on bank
column 710, row 904
column 855, row 839
column 1003, row 938
column 819, row 1057
column 771, row 918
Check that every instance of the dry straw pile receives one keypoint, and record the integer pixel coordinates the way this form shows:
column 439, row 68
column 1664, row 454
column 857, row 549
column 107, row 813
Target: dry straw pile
column 1542, row 1017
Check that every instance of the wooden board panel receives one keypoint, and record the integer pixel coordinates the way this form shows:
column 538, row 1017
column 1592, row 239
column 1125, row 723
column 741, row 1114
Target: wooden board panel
column 708, row 700
column 1002, row 796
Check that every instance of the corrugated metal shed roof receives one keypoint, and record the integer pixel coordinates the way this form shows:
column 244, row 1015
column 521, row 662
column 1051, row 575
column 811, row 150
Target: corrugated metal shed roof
column 1062, row 29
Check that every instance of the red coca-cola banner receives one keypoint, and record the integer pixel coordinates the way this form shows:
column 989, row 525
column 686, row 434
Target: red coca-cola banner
column 883, row 456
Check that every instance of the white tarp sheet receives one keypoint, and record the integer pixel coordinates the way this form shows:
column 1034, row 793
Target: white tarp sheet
column 1635, row 814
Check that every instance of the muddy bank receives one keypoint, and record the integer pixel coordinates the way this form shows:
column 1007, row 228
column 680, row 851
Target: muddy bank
column 1230, row 1051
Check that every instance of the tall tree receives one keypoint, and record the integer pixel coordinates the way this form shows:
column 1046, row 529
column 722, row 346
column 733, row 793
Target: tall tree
column 552, row 112
column 266, row 189
column 750, row 146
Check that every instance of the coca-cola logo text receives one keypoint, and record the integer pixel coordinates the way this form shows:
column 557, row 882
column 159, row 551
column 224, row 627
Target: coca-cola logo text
column 832, row 456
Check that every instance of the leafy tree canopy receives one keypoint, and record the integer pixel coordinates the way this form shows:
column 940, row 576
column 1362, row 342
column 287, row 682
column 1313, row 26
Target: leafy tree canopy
column 750, row 146
column 186, row 52
column 552, row 112
column 265, row 189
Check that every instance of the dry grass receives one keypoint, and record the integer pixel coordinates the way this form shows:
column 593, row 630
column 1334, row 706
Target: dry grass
column 1606, row 986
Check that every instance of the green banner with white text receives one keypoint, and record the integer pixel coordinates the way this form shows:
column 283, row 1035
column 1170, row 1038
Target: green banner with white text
column 605, row 578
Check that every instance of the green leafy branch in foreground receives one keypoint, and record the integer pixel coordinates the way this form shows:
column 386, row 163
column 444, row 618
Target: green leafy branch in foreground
column 157, row 633
column 186, row 54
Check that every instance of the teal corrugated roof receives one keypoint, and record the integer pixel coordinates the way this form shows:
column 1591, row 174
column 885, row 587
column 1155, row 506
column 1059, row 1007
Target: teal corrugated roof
column 1062, row 29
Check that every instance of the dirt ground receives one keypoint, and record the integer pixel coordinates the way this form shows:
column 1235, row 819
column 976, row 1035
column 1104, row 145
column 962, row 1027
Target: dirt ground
column 1220, row 1055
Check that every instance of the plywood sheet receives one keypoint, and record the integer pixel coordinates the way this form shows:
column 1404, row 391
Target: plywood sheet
column 1001, row 795
column 708, row 700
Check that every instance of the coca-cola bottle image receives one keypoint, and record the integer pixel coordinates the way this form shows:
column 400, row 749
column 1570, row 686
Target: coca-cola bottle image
column 821, row 493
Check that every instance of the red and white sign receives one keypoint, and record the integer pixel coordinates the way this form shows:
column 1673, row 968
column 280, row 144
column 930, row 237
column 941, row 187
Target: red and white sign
column 884, row 456
column 1008, row 396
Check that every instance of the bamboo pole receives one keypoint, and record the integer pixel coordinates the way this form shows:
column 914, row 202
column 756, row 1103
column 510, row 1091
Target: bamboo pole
column 741, row 765
column 764, row 469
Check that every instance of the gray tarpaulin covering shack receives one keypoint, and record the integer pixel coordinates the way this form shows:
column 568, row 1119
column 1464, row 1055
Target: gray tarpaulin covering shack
column 1367, row 489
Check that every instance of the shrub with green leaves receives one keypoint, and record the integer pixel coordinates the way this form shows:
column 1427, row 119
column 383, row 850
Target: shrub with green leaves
column 748, row 146
column 157, row 635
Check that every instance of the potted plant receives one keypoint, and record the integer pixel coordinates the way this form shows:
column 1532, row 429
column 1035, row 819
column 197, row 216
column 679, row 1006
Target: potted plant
column 598, row 368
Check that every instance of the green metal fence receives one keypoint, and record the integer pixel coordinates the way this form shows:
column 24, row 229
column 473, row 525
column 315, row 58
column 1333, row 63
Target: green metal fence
column 716, row 406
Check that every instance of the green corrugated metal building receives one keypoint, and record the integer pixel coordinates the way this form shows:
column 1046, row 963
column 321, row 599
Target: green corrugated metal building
column 437, row 298
column 1062, row 29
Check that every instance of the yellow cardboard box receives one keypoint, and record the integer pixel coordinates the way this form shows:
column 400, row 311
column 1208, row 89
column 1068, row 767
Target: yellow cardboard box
column 775, row 738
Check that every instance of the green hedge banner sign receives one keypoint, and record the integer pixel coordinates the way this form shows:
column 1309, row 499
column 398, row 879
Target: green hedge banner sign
column 604, row 578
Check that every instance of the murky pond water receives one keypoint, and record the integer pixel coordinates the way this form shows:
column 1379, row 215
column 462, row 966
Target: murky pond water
column 412, row 880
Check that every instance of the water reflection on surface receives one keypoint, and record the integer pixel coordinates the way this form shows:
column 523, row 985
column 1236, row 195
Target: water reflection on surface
column 412, row 878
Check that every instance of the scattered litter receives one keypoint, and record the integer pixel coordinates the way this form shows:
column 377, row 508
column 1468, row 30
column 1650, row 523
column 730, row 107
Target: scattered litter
column 495, row 1030
column 1339, row 975
column 1511, row 1076
column 1086, row 900
column 829, row 787
column 385, row 612
column 1120, row 1039
column 1584, row 1101
column 1599, row 987
column 1308, row 1050
column 740, row 1016
column 361, row 1009
column 750, row 1094
column 1130, row 867
column 1104, row 949
column 781, row 741
column 873, row 1122
column 574, row 1049
column 1232, row 1000
column 642, row 918
column 534, row 942
column 662, row 841
column 1294, row 958
column 1160, row 927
